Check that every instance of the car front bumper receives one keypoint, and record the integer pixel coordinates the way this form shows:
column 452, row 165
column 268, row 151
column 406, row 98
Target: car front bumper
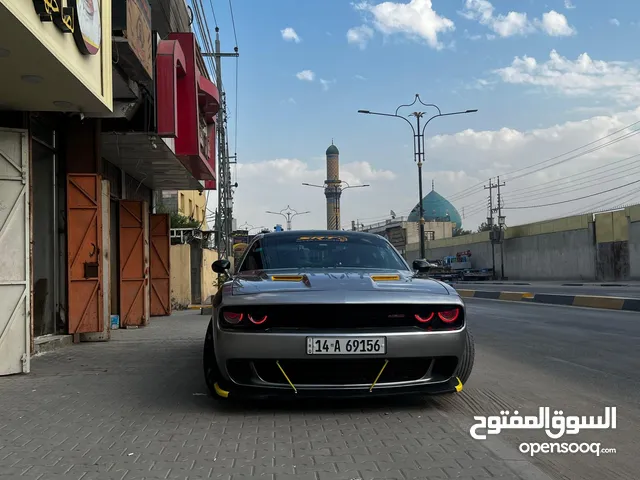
column 243, row 358
column 225, row 389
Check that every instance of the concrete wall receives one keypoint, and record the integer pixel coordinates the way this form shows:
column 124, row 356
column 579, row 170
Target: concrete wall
column 180, row 276
column 603, row 247
column 634, row 241
column 209, row 278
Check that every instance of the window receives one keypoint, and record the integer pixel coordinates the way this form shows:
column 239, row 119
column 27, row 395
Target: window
column 181, row 204
column 253, row 260
column 338, row 251
column 190, row 212
column 430, row 235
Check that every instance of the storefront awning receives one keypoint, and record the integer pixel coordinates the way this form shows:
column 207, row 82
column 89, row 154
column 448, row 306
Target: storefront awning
column 148, row 159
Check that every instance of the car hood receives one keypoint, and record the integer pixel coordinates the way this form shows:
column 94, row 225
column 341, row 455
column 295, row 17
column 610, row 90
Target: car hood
column 334, row 280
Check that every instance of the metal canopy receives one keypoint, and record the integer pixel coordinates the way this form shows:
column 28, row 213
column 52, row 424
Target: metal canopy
column 148, row 159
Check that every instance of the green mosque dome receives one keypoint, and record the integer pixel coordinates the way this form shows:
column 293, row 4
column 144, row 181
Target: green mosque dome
column 436, row 209
column 332, row 150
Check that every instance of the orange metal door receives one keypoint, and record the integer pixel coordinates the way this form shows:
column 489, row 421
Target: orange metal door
column 160, row 265
column 132, row 264
column 84, row 244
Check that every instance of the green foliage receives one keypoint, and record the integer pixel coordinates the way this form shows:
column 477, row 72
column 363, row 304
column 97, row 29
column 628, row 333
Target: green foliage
column 484, row 227
column 177, row 219
column 458, row 232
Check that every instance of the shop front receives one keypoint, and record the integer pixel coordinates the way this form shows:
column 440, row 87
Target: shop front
column 56, row 64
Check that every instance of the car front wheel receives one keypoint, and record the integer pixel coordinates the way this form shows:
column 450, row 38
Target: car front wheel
column 463, row 372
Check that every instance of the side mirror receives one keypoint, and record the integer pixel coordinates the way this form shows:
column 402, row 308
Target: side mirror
column 221, row 266
column 421, row 266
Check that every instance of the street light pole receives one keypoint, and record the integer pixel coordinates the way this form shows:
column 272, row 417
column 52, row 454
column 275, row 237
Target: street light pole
column 290, row 213
column 338, row 189
column 418, row 148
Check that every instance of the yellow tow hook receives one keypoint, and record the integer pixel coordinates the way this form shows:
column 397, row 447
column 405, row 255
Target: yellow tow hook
column 459, row 385
column 379, row 374
column 285, row 376
column 222, row 393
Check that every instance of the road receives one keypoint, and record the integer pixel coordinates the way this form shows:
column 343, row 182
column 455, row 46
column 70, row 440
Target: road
column 628, row 292
column 136, row 408
column 576, row 359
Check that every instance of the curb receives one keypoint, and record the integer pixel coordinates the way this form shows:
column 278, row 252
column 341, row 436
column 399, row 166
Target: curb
column 589, row 301
column 467, row 282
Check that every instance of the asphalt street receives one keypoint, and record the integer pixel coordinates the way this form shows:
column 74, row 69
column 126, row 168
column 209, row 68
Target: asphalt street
column 136, row 408
column 578, row 360
column 627, row 292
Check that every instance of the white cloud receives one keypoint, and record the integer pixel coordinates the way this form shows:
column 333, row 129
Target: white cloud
column 582, row 77
column 416, row 20
column 555, row 24
column 306, row 76
column 615, row 22
column 326, row 83
column 290, row 35
column 360, row 36
column 513, row 23
column 360, row 77
column 292, row 100
column 458, row 162
column 568, row 5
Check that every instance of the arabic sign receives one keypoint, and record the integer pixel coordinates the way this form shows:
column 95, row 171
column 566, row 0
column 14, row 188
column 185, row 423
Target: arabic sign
column 81, row 18
column 139, row 32
column 555, row 426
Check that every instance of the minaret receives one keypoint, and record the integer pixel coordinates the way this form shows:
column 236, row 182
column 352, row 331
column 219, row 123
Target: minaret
column 332, row 187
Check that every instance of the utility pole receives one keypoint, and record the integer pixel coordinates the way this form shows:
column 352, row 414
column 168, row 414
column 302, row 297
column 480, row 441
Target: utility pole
column 225, row 194
column 490, row 224
column 501, row 226
column 288, row 213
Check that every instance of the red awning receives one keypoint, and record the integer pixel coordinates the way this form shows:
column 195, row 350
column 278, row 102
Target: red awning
column 208, row 98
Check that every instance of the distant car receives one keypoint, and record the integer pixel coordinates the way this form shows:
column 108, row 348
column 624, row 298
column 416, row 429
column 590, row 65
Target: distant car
column 333, row 314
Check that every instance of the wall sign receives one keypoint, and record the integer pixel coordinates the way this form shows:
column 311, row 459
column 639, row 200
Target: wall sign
column 139, row 32
column 88, row 31
column 81, row 18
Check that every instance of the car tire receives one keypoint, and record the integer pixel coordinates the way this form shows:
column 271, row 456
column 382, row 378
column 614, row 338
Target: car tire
column 211, row 372
column 463, row 372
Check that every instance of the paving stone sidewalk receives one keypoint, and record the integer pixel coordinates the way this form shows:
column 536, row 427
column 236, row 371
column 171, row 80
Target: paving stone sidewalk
column 137, row 408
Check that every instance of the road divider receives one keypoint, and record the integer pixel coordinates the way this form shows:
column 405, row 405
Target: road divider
column 589, row 301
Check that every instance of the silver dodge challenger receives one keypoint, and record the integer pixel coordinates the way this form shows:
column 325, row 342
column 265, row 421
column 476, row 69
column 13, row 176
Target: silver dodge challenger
column 333, row 314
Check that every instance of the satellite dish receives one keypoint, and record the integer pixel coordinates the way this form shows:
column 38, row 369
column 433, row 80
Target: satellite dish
column 393, row 214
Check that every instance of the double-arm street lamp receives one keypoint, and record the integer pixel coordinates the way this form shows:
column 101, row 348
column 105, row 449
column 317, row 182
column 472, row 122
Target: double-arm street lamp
column 338, row 189
column 288, row 213
column 418, row 146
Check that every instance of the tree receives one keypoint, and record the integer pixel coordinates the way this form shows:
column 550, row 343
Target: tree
column 484, row 227
column 177, row 219
column 458, row 232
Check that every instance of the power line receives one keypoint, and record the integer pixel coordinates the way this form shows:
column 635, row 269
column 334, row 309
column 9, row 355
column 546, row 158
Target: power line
column 233, row 23
column 459, row 195
column 573, row 199
column 565, row 178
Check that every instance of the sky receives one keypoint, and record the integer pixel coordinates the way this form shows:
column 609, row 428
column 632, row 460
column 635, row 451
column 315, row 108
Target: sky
column 556, row 84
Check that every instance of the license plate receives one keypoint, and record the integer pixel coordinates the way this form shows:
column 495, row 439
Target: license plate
column 346, row 345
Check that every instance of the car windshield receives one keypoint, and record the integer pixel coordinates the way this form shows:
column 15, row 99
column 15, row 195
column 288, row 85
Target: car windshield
column 329, row 251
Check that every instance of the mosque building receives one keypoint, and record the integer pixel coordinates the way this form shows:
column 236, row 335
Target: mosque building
column 441, row 219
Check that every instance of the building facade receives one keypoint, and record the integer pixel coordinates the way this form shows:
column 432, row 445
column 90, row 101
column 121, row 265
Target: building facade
column 100, row 106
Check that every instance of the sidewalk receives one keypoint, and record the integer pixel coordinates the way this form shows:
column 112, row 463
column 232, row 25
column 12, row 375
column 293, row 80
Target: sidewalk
column 136, row 408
